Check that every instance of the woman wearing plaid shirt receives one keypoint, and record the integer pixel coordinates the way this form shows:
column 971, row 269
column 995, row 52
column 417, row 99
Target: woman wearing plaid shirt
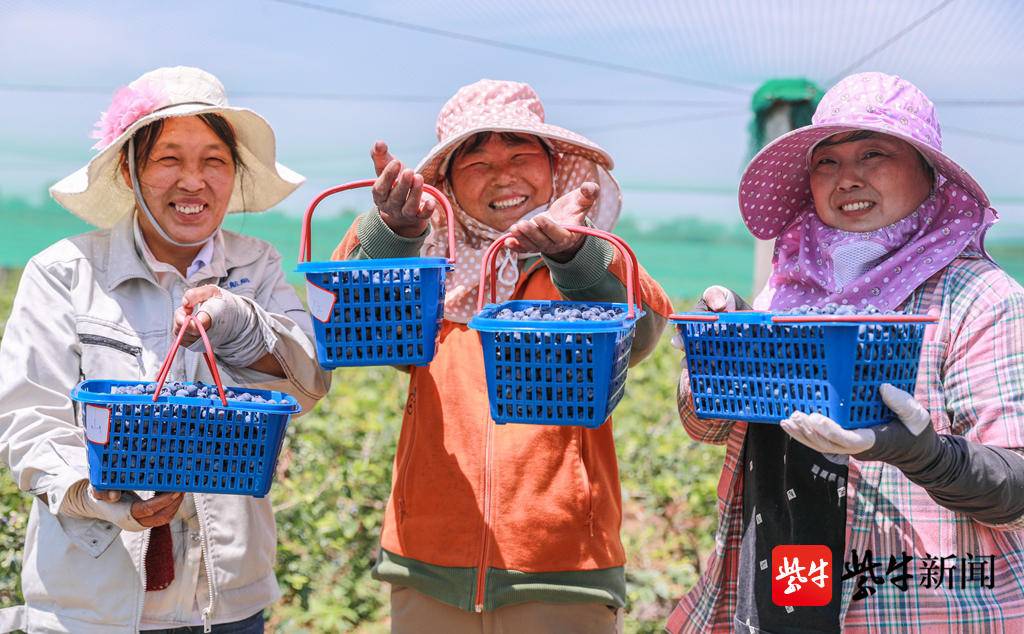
column 868, row 211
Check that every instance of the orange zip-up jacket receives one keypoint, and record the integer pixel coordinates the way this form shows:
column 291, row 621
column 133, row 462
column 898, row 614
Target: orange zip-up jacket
column 483, row 515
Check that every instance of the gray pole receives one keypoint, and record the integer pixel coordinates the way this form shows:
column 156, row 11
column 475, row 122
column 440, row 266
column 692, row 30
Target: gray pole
column 779, row 105
column 777, row 122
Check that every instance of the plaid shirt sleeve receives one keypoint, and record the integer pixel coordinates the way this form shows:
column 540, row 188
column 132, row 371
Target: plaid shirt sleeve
column 711, row 431
column 984, row 368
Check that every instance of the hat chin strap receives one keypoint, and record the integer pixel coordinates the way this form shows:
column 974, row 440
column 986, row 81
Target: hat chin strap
column 145, row 208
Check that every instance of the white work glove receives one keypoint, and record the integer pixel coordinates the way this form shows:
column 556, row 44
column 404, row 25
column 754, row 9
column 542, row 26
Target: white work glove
column 82, row 501
column 895, row 442
column 230, row 321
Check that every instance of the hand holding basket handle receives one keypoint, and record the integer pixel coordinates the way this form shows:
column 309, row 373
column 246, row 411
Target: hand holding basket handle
column 632, row 267
column 165, row 369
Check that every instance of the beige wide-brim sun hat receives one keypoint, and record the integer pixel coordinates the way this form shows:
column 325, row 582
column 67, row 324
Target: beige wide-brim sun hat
column 98, row 193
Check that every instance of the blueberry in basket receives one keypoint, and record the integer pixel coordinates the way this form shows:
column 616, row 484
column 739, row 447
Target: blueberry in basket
column 194, row 390
column 836, row 309
column 576, row 312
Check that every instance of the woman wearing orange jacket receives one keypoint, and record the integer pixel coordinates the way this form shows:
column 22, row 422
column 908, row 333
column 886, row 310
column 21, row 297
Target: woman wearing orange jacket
column 510, row 527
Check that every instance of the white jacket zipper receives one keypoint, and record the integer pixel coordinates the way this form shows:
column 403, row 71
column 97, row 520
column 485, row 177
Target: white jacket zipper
column 142, row 569
column 208, row 610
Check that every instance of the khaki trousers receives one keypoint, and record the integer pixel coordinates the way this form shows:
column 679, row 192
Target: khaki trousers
column 414, row 612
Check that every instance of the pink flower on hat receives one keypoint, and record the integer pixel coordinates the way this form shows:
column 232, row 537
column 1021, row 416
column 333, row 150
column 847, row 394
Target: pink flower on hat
column 130, row 104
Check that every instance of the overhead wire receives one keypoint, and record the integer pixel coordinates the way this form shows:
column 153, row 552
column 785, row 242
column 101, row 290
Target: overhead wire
column 889, row 41
column 646, row 123
column 981, row 134
column 389, row 97
column 588, row 102
column 529, row 50
column 979, row 103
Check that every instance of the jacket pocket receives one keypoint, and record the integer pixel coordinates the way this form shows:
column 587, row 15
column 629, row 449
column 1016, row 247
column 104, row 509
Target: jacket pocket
column 108, row 353
column 100, row 340
column 588, row 493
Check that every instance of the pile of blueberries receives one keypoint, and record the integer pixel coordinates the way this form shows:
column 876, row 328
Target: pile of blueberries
column 836, row 309
column 196, row 390
column 574, row 312
column 388, row 276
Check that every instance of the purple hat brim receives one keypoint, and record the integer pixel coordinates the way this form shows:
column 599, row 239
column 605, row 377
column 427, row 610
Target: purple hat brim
column 775, row 186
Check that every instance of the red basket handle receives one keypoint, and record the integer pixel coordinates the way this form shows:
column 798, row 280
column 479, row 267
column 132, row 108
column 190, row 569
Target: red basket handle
column 838, row 319
column 165, row 369
column 708, row 318
column 856, row 319
column 632, row 266
column 305, row 246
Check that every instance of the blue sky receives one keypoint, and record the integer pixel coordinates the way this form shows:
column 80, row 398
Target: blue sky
column 679, row 152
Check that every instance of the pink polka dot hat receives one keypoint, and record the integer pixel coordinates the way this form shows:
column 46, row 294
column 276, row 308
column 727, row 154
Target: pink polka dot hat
column 775, row 187
column 500, row 106
column 506, row 106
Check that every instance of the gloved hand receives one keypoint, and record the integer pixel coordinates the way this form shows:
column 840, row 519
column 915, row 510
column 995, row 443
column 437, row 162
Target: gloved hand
column 126, row 510
column 230, row 321
column 899, row 442
column 222, row 313
column 715, row 299
column 984, row 482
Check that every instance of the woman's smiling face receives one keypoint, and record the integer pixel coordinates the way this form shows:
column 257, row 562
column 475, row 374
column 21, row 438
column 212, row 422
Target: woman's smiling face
column 187, row 180
column 865, row 181
column 501, row 179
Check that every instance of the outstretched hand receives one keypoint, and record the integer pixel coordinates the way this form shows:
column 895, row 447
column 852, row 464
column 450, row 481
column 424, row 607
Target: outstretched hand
column 546, row 232
column 398, row 194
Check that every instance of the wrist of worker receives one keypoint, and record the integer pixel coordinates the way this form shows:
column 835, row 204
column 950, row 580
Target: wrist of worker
column 895, row 444
column 235, row 331
column 79, row 503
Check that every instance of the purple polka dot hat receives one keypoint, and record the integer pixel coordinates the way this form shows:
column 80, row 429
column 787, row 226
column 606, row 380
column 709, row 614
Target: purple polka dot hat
column 775, row 187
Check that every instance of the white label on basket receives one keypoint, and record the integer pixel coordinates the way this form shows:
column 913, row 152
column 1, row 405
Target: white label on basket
column 97, row 424
column 321, row 301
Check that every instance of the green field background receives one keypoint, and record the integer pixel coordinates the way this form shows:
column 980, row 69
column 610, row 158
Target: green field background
column 685, row 255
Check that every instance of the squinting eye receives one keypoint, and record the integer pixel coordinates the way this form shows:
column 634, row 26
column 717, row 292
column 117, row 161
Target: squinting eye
column 216, row 160
column 167, row 160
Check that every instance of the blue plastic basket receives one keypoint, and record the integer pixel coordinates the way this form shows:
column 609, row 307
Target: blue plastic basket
column 375, row 312
column 186, row 444
column 761, row 367
column 182, row 443
column 555, row 372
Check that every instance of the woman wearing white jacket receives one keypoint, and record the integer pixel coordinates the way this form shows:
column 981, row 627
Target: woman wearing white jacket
column 173, row 159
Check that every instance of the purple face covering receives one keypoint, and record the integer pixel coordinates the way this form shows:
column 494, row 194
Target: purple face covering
column 816, row 264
